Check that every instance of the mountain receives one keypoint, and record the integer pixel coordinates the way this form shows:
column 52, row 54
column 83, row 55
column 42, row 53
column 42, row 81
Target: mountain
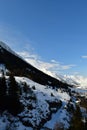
column 48, row 67
column 44, row 108
column 33, row 100
column 18, row 66
column 77, row 79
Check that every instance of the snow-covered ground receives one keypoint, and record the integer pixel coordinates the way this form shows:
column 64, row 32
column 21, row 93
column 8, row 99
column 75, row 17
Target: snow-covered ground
column 44, row 89
column 61, row 116
column 41, row 108
column 43, row 94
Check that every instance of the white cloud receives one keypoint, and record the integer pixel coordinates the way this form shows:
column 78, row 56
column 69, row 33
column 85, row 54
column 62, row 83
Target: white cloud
column 27, row 55
column 84, row 57
column 16, row 41
column 47, row 67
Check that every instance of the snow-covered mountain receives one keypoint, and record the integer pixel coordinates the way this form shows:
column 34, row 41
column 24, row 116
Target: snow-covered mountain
column 18, row 66
column 40, row 108
column 48, row 67
column 80, row 80
column 42, row 102
column 44, row 107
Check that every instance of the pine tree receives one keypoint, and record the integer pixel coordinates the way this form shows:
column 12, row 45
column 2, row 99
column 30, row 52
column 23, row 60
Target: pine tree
column 14, row 105
column 2, row 86
column 13, row 87
column 3, row 89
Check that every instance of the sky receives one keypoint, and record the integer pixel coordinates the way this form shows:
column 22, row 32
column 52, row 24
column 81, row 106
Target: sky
column 52, row 32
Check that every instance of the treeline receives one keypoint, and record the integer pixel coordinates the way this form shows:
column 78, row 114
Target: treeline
column 10, row 95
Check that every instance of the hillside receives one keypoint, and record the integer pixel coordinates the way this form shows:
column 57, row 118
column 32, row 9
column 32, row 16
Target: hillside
column 43, row 107
column 33, row 100
column 18, row 66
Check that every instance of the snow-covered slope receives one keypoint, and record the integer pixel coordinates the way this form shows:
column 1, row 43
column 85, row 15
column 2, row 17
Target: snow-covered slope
column 48, row 67
column 43, row 66
column 39, row 110
column 81, row 81
column 44, row 107
column 45, row 94
column 13, row 62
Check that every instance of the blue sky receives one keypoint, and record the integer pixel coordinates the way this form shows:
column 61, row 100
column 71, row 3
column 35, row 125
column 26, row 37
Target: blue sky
column 53, row 30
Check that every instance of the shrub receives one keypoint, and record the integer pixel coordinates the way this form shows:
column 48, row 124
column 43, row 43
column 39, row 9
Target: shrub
column 52, row 95
column 76, row 123
column 33, row 87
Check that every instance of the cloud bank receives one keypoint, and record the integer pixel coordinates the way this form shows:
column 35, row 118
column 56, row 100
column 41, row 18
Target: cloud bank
column 50, row 68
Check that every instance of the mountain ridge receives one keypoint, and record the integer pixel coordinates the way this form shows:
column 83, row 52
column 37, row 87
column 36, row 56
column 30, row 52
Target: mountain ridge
column 18, row 66
column 33, row 100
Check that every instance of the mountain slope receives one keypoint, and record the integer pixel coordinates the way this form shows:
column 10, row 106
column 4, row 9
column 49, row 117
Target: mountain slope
column 20, row 67
column 44, row 108
column 40, row 103
column 38, row 107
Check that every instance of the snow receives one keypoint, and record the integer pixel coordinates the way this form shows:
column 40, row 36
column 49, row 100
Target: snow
column 61, row 116
column 79, row 80
column 41, row 108
column 70, row 79
column 22, row 127
column 2, row 125
column 80, row 90
column 2, row 68
column 43, row 94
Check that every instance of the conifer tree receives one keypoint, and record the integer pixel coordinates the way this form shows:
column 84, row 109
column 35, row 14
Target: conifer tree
column 2, row 86
column 3, row 89
column 13, row 87
column 14, row 105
